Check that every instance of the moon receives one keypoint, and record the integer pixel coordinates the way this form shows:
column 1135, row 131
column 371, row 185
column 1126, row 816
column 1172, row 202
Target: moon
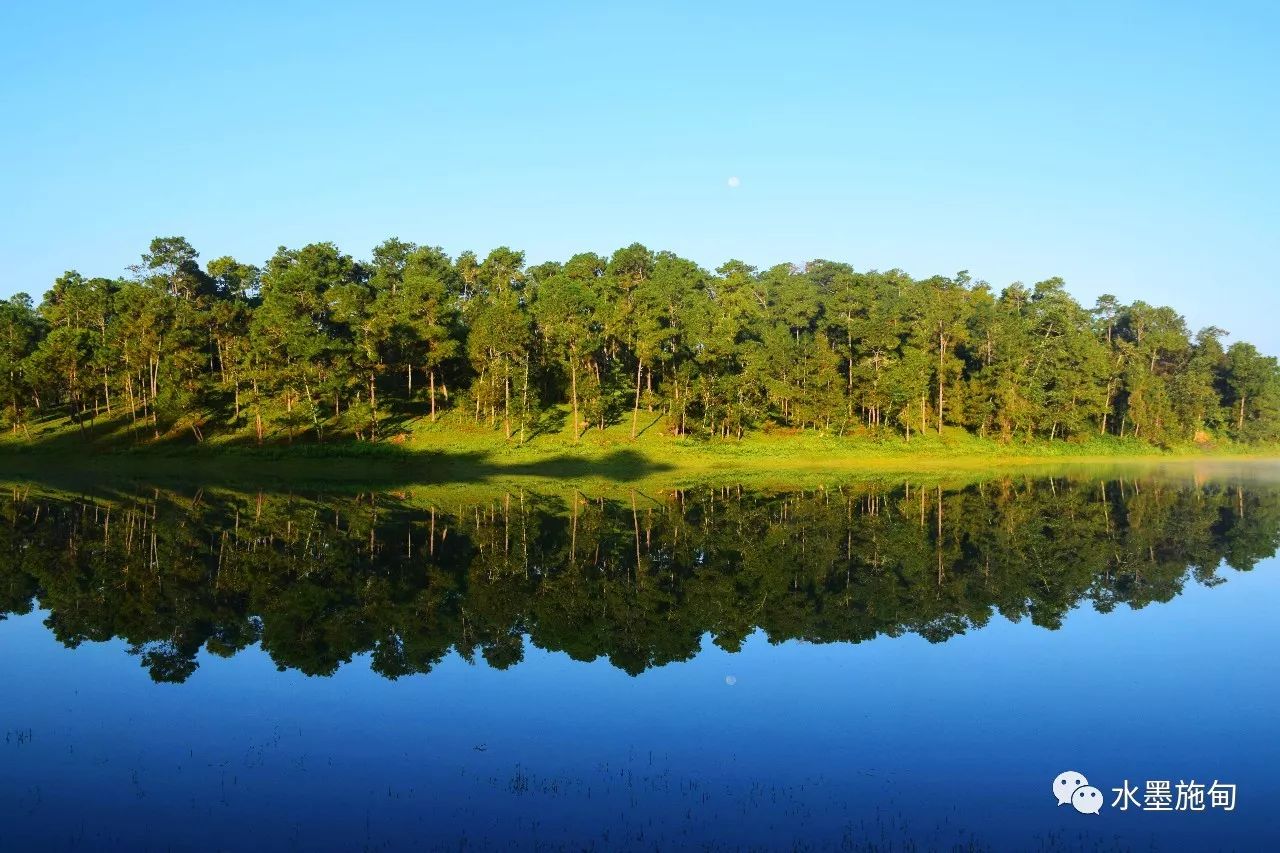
column 734, row 182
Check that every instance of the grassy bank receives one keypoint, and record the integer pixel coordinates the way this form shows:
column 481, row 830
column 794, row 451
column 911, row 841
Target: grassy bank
column 454, row 450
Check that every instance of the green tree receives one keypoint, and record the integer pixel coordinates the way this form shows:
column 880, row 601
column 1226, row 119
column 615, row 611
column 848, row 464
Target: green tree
column 20, row 332
column 1254, row 383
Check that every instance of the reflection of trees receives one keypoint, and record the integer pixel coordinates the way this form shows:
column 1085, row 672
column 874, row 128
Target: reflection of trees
column 639, row 580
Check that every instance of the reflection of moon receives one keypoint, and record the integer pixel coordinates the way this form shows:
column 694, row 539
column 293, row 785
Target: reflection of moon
column 730, row 680
column 735, row 182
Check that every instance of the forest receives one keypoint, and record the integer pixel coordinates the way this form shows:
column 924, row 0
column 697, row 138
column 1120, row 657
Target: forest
column 639, row 579
column 316, row 345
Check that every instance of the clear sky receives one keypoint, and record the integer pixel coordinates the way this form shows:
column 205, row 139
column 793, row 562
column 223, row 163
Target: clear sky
column 1130, row 148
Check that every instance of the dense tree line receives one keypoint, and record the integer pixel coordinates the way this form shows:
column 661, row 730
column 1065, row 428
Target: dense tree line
column 640, row 580
column 317, row 344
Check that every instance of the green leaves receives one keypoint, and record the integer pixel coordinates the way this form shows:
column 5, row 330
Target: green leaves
column 319, row 343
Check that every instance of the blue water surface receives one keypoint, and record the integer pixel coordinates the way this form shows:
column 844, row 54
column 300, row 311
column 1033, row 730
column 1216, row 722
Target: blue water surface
column 891, row 744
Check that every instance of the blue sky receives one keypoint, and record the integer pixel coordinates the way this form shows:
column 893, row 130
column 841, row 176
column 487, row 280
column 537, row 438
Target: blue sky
column 1130, row 148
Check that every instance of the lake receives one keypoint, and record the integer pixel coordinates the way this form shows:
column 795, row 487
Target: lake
column 883, row 664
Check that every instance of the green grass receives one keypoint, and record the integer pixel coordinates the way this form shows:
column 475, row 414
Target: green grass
column 455, row 450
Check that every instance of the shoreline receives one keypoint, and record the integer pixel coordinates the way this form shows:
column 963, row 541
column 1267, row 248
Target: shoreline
column 603, row 467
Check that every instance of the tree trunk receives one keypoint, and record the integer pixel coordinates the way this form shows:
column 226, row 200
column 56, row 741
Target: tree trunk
column 849, row 391
column 573, row 383
column 133, row 404
column 155, row 386
column 1106, row 407
column 257, row 411
column 635, row 411
column 315, row 411
column 524, row 397
column 942, row 344
column 433, row 395
column 506, row 398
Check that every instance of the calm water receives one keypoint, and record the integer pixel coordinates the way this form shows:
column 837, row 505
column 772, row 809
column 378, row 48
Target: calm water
column 888, row 666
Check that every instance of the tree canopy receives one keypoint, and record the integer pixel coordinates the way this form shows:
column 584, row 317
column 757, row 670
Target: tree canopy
column 316, row 344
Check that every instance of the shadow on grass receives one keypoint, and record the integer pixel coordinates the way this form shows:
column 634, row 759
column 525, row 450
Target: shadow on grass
column 62, row 449
column 66, row 462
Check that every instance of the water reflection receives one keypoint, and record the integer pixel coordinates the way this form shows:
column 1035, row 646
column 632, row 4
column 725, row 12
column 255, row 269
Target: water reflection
column 637, row 577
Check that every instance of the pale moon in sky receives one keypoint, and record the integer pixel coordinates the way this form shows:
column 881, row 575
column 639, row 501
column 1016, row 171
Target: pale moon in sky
column 735, row 182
